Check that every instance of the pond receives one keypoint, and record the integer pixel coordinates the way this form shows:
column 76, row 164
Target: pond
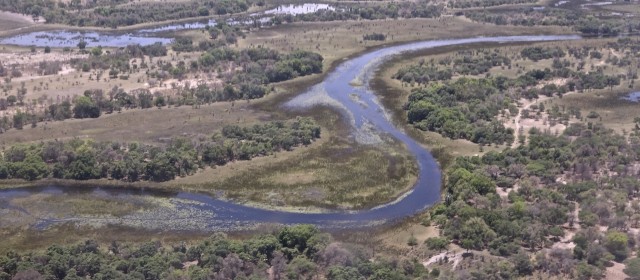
column 145, row 36
column 633, row 96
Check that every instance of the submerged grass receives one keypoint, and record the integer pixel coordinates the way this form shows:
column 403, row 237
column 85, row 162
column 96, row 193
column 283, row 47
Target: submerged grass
column 337, row 174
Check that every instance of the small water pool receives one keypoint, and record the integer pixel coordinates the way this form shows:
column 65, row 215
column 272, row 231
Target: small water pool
column 633, row 96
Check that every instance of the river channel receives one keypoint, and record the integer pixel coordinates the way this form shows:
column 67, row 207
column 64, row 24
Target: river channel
column 346, row 88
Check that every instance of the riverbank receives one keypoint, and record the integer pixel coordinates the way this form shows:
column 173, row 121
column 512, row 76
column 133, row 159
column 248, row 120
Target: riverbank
column 129, row 28
column 220, row 215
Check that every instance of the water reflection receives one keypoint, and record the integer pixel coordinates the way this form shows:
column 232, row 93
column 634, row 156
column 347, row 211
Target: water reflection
column 633, row 97
column 146, row 36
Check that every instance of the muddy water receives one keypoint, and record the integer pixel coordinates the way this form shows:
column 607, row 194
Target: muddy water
column 191, row 211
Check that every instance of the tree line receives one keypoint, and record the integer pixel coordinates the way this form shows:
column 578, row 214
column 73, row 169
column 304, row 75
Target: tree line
column 119, row 12
column 254, row 70
column 295, row 252
column 408, row 9
column 466, row 62
column 86, row 159
column 580, row 20
column 465, row 4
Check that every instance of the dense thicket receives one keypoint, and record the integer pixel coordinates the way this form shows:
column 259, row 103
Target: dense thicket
column 262, row 65
column 468, row 62
column 297, row 252
column 539, row 53
column 107, row 13
column 580, row 20
column 587, row 168
column 84, row 159
column 463, row 4
column 464, row 109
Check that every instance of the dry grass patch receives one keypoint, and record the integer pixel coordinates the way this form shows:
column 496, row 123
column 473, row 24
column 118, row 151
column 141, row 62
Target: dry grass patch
column 337, row 40
column 143, row 125
column 11, row 21
column 614, row 112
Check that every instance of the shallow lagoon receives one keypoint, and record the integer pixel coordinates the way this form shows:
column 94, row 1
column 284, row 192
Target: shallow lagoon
column 145, row 36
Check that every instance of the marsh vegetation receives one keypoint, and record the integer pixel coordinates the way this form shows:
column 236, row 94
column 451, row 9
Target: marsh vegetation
column 538, row 149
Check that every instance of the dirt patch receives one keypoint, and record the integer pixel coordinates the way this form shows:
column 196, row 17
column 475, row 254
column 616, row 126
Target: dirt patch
column 397, row 238
column 615, row 272
column 11, row 21
column 293, row 178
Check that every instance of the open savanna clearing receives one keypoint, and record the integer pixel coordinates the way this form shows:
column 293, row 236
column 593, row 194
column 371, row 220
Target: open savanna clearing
column 536, row 112
column 146, row 125
column 12, row 21
column 338, row 40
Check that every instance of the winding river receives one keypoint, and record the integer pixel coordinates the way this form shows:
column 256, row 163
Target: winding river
column 346, row 88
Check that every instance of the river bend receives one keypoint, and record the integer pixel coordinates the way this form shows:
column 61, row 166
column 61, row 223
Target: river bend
column 191, row 211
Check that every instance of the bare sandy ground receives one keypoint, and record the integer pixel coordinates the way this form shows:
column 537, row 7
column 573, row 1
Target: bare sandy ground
column 13, row 21
column 615, row 272
column 13, row 58
column 454, row 258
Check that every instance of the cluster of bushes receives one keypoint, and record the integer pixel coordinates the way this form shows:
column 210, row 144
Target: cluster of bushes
column 83, row 159
column 577, row 80
column 527, row 17
column 263, row 65
column 109, row 14
column 221, row 35
column 578, row 19
column 296, row 252
column 540, row 53
column 532, row 217
column 596, row 27
column 374, row 37
column 463, row 109
column 467, row 63
column 465, row 4
column 422, row 74
column 480, row 63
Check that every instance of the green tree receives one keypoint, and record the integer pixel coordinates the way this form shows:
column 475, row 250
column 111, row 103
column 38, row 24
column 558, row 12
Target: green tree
column 97, row 51
column 82, row 45
column 475, row 234
column 85, row 108
column 343, row 273
column 301, row 268
column 297, row 237
column 632, row 268
column 436, row 243
column 616, row 242
column 522, row 263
